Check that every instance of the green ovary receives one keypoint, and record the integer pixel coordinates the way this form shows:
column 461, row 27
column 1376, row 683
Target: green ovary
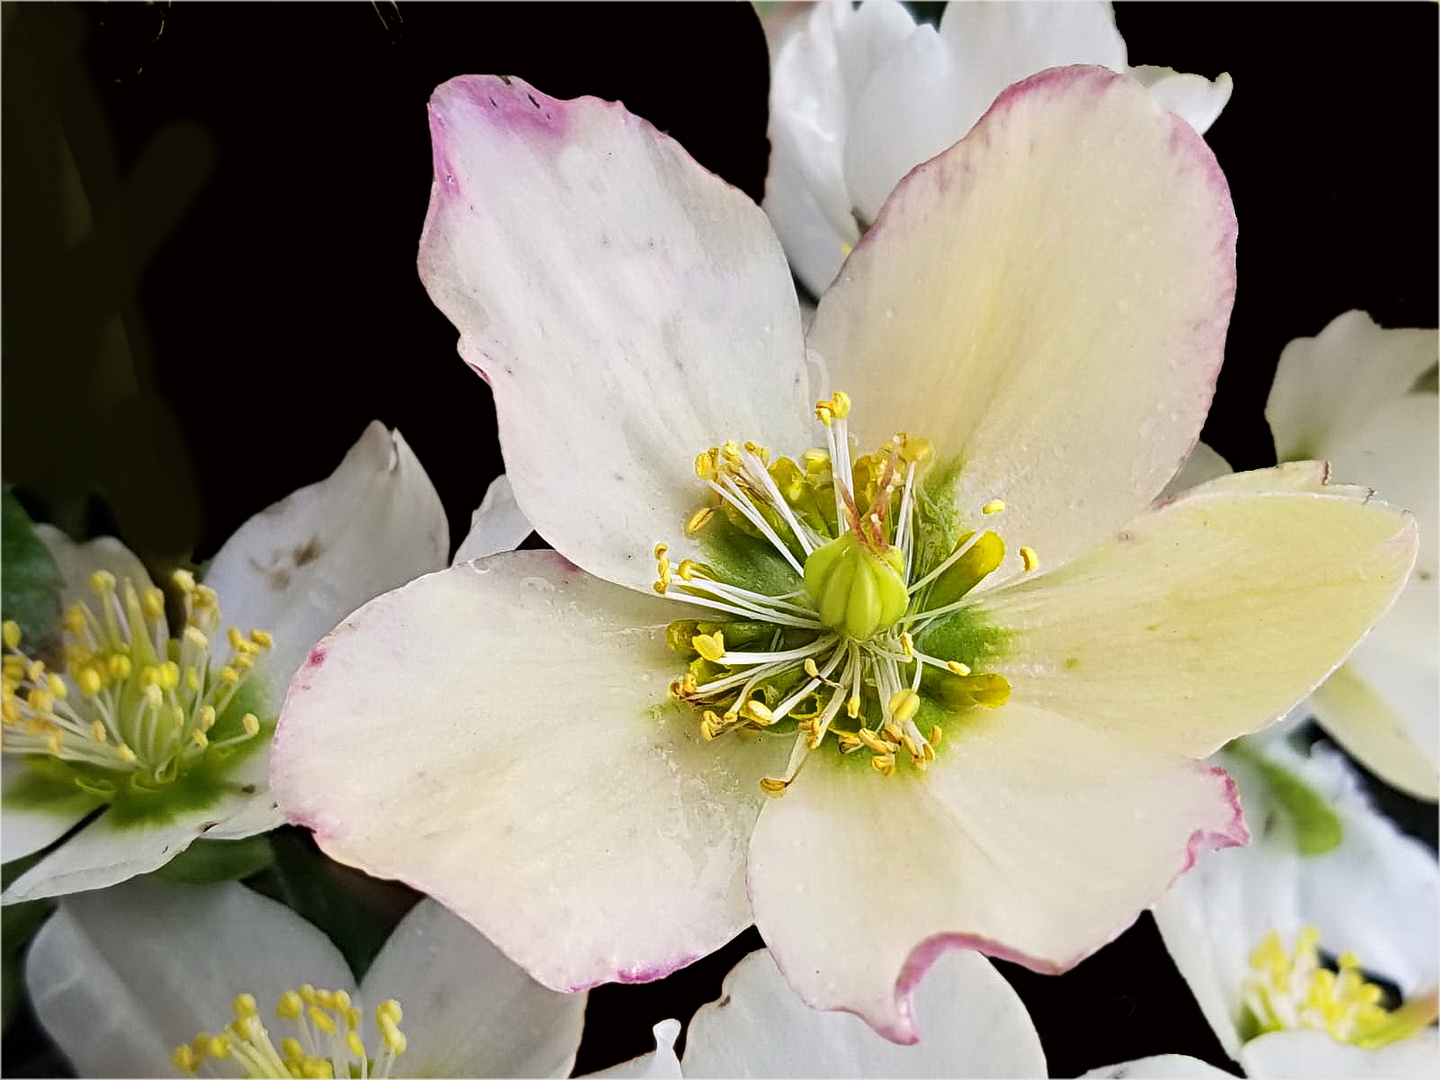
column 857, row 591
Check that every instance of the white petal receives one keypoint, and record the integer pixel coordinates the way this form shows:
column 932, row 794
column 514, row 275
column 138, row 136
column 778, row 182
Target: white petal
column 972, row 1024
column 78, row 561
column 1313, row 1055
column 468, row 1010
column 1383, row 739
column 1160, row 1067
column 120, row 978
column 628, row 309
column 659, row 1064
column 1031, row 838
column 1326, row 385
column 934, row 88
column 511, row 715
column 103, row 854
column 822, row 65
column 1206, row 618
column 1047, row 303
column 1194, row 98
column 29, row 823
column 1202, row 466
column 496, row 525
column 300, row 566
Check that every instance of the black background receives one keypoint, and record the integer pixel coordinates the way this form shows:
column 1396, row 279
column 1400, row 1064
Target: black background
column 258, row 175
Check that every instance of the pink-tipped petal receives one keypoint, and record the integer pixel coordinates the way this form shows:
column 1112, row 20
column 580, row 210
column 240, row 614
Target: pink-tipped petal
column 1032, row 838
column 498, row 735
column 1046, row 302
column 628, row 308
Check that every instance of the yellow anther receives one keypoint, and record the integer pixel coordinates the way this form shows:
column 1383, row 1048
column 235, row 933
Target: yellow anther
column 352, row 1041
column 994, row 506
column 36, row 671
column 192, row 679
column 57, row 687
column 54, row 743
column 815, row 461
column 325, row 999
column 840, row 404
column 884, row 764
column 698, row 520
column 97, row 731
column 758, row 712
column 937, row 733
column 167, row 675
column 852, row 706
column 40, row 700
column 710, row 646
column 11, row 633
column 891, row 731
column 196, row 639
column 904, row 704
column 251, row 723
column 152, row 602
column 321, row 1019
column 772, row 786
column 229, row 676
column 873, row 741
column 847, row 741
column 119, row 666
column 207, row 717
column 206, row 598
column 289, row 1006
column 710, row 725
column 1347, row 960
column 1029, row 558
column 125, row 754
column 103, row 582
column 824, row 413
column 184, row 581
column 245, row 1007
column 154, row 696
column 810, row 668
column 705, row 464
column 957, row 667
column 730, row 451
column 219, row 1047
column 200, row 739
column 389, row 1009
column 262, row 638
column 290, row 1046
column 687, row 569
column 184, row 1058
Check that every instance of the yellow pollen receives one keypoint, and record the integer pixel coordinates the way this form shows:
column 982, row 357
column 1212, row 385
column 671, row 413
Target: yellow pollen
column 11, row 634
column 884, row 764
column 184, row 581
column 102, row 582
column 810, row 668
column 773, row 787
column 904, row 705
column 262, row 639
column 289, row 1006
column 994, row 506
column 153, row 604
column 97, row 730
column 1029, row 558
column 698, row 520
column 120, row 667
column 251, row 723
column 758, row 712
column 957, row 667
column 200, row 739
column 125, row 754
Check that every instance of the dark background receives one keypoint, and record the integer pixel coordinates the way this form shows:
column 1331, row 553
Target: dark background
column 211, row 215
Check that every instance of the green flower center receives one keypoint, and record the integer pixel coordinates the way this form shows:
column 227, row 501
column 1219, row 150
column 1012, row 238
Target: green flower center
column 327, row 1040
column 842, row 589
column 1293, row 990
column 132, row 709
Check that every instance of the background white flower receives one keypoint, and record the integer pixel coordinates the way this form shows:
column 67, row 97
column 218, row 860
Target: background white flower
column 294, row 569
column 120, row 978
column 861, row 95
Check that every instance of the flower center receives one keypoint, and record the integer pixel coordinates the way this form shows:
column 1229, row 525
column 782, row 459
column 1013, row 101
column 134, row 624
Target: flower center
column 133, row 706
column 842, row 588
column 328, row 1042
column 1294, row 990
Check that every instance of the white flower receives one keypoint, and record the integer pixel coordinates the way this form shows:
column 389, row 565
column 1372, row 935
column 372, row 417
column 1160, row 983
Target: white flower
column 973, row 1025
column 1323, row 871
column 1014, row 770
column 1350, row 396
column 861, row 95
column 122, row 978
column 166, row 771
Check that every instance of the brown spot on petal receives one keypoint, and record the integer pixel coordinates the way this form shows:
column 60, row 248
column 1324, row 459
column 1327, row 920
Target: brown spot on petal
column 308, row 552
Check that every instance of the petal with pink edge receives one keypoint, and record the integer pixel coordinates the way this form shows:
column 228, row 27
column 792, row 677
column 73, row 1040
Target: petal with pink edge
column 1209, row 617
column 1046, row 302
column 628, row 309
column 498, row 735
column 1033, row 838
column 973, row 1024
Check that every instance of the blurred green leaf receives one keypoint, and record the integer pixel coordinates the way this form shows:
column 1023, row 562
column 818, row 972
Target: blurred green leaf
column 208, row 862
column 29, row 579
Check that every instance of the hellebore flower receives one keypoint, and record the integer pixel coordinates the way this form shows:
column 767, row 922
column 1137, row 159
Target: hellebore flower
column 1324, row 877
column 1364, row 399
column 861, row 95
column 969, row 752
column 166, row 733
column 152, row 979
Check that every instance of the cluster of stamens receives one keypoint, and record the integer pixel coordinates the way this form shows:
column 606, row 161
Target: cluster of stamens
column 129, row 704
column 329, row 1043
column 1288, row 990
column 835, row 653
